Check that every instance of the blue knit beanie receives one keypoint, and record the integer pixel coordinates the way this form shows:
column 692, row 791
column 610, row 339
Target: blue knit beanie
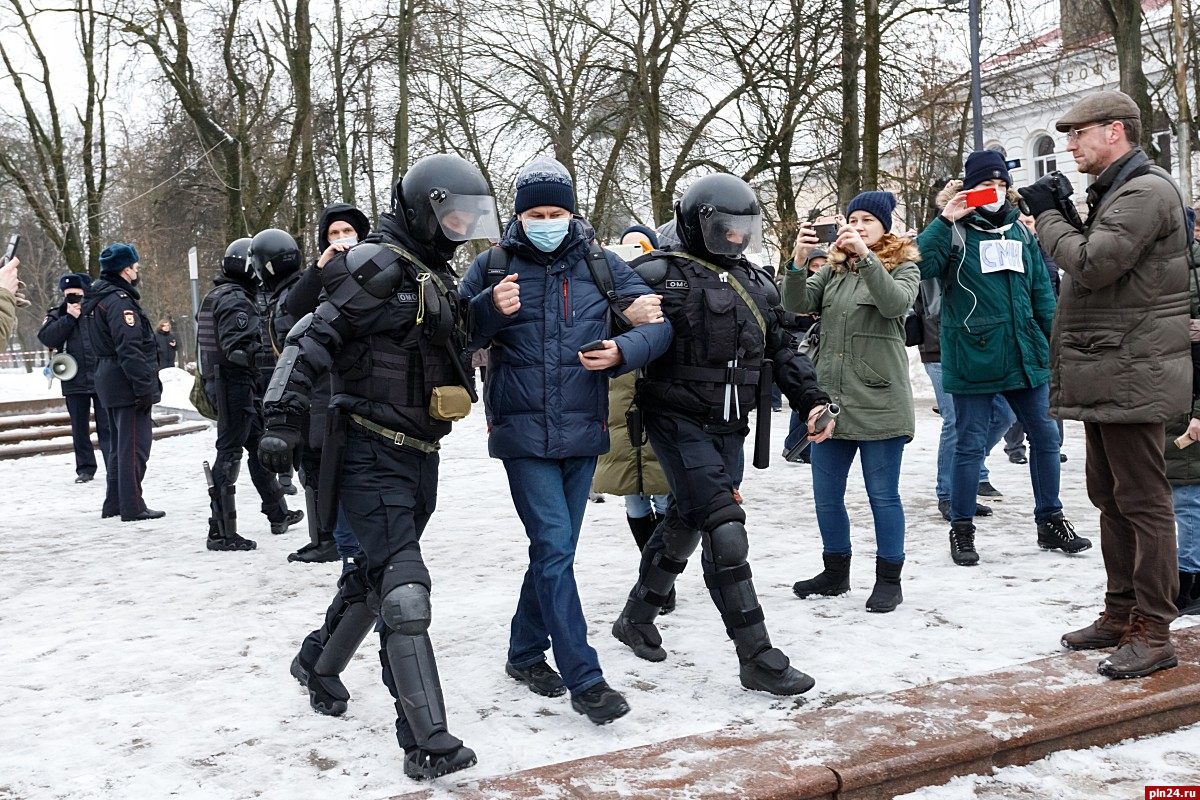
column 74, row 280
column 649, row 233
column 879, row 205
column 117, row 257
column 544, row 182
column 984, row 165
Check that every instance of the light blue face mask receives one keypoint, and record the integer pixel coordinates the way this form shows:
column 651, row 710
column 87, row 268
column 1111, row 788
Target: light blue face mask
column 547, row 234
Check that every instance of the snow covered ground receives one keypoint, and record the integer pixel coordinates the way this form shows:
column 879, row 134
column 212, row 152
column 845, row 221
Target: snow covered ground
column 141, row 665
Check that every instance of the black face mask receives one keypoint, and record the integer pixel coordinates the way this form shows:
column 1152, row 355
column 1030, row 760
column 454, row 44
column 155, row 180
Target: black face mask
column 74, row 299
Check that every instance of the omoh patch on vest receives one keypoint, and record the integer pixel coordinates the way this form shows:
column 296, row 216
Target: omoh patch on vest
column 130, row 318
column 406, row 297
column 675, row 283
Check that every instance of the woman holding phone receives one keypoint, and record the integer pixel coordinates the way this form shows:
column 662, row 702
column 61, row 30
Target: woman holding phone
column 862, row 295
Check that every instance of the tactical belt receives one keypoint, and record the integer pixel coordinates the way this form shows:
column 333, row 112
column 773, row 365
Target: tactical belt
column 395, row 437
column 737, row 376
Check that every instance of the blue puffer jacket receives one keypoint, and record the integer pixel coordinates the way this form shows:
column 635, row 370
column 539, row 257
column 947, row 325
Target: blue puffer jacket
column 543, row 403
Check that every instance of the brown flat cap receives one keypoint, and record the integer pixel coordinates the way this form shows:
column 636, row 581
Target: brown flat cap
column 1099, row 107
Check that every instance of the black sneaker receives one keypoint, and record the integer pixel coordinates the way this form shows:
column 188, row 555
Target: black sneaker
column 1057, row 533
column 962, row 544
column 84, row 478
column 230, row 543
column 987, row 490
column 540, row 678
column 1017, row 458
column 422, row 765
column 289, row 519
column 601, row 703
column 980, row 509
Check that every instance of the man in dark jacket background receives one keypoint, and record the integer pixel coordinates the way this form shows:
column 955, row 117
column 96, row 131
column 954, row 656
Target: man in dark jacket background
column 1121, row 363
column 126, row 377
column 62, row 332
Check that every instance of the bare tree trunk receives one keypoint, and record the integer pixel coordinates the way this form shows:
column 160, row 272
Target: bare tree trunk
column 849, row 175
column 872, row 94
column 1125, row 19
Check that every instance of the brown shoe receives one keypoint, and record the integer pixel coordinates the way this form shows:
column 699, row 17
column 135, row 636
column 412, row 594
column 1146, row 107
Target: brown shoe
column 1106, row 631
column 1145, row 648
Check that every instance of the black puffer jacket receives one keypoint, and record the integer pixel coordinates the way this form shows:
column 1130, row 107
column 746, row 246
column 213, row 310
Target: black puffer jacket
column 65, row 334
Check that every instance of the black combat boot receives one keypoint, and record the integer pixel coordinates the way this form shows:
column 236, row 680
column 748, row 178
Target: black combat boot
column 635, row 627
column 763, row 668
column 1057, row 533
column 886, row 595
column 321, row 547
column 962, row 544
column 831, row 581
column 281, row 518
column 601, row 703
column 226, row 538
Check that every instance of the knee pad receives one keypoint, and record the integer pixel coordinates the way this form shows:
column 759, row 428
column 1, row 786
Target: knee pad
column 406, row 609
column 728, row 544
column 230, row 464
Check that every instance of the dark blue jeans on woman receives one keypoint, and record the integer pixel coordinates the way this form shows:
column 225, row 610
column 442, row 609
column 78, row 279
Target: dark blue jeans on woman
column 973, row 413
column 550, row 496
column 831, row 460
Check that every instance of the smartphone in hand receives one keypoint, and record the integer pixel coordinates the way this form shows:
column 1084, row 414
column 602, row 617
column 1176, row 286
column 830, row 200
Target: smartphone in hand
column 11, row 251
column 590, row 346
column 827, row 232
column 982, row 197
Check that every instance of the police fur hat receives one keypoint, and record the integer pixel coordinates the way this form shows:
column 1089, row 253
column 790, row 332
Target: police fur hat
column 74, row 280
column 117, row 257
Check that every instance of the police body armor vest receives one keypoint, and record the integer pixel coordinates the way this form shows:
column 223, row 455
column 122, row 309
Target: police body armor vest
column 395, row 367
column 211, row 354
column 718, row 342
column 265, row 358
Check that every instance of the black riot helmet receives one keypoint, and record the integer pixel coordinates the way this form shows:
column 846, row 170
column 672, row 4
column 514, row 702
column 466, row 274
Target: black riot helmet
column 236, row 264
column 274, row 255
column 718, row 216
column 445, row 200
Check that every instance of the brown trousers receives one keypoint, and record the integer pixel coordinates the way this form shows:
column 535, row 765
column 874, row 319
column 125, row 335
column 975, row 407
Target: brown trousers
column 1127, row 481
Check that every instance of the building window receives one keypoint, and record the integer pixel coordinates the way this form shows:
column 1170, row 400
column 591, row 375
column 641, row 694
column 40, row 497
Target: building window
column 1045, row 160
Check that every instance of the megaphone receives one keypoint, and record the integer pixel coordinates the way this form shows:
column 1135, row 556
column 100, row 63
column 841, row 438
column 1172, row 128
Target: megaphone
column 63, row 366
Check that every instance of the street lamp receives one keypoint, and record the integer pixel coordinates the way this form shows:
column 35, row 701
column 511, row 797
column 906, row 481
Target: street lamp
column 976, row 76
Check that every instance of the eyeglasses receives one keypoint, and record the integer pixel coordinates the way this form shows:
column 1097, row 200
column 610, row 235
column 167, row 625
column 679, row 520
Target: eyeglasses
column 1073, row 135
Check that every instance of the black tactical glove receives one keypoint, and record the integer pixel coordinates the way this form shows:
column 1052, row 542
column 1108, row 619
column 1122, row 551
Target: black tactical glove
column 1040, row 196
column 144, row 402
column 277, row 447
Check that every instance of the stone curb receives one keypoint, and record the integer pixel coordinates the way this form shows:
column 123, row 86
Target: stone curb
column 883, row 745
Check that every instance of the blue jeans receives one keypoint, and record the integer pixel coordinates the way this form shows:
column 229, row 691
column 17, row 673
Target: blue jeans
column 831, row 460
column 797, row 430
column 1187, row 522
column 1002, row 420
column 347, row 543
column 550, row 496
column 641, row 505
column 972, row 424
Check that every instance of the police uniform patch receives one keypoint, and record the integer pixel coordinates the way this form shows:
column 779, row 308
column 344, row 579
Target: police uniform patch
column 676, row 283
column 406, row 297
column 130, row 318
column 242, row 320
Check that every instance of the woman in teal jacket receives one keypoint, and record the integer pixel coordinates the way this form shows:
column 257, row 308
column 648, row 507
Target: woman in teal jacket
column 862, row 295
column 997, row 309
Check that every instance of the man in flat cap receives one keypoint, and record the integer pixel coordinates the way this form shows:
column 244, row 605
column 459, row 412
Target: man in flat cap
column 62, row 333
column 1120, row 362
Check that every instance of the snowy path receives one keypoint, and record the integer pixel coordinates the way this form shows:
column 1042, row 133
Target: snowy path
column 141, row 665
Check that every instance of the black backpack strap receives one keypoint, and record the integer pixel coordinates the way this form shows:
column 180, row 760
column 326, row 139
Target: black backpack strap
column 602, row 274
column 496, row 266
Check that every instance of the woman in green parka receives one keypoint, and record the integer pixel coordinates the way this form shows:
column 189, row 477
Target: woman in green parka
column 997, row 310
column 862, row 296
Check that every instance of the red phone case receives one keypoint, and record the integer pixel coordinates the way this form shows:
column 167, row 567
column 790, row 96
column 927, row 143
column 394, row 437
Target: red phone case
column 981, row 197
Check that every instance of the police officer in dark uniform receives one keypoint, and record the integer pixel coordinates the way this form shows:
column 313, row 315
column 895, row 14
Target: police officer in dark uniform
column 228, row 333
column 127, row 382
column 392, row 329
column 340, row 226
column 695, row 402
column 62, row 332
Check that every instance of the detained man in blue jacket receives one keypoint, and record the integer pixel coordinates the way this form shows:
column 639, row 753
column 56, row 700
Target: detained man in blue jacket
column 538, row 303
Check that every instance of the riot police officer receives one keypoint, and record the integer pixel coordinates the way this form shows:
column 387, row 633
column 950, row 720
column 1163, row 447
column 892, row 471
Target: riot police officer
column 340, row 226
column 695, row 401
column 392, row 330
column 127, row 382
column 61, row 330
column 228, row 334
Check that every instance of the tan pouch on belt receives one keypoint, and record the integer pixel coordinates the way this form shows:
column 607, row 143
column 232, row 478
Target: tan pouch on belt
column 449, row 403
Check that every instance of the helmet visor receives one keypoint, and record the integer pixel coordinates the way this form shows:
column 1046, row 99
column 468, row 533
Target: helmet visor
column 730, row 234
column 466, row 216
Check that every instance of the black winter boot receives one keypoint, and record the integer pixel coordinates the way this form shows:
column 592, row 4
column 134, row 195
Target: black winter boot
column 1057, row 533
column 886, row 595
column 282, row 519
column 635, row 627
column 962, row 544
column 831, row 581
column 763, row 668
column 642, row 529
column 226, row 537
column 1188, row 601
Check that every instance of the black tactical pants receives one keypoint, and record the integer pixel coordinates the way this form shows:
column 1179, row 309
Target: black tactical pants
column 239, row 427
column 388, row 494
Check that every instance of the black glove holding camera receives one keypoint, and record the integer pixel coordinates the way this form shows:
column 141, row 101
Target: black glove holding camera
column 1050, row 193
column 277, row 447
